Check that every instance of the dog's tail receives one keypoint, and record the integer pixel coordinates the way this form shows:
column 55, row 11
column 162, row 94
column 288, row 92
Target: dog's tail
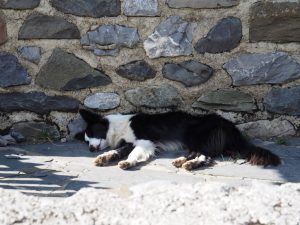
column 260, row 156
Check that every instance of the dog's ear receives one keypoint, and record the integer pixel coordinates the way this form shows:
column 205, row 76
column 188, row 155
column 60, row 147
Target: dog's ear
column 80, row 136
column 89, row 117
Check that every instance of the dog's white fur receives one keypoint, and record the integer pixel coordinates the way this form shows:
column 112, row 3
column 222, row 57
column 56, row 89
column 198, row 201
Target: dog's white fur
column 119, row 128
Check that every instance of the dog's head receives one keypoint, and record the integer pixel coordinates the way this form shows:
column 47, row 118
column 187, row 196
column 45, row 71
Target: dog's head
column 95, row 132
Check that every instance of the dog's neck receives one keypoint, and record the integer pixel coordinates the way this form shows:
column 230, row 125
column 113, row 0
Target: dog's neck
column 119, row 129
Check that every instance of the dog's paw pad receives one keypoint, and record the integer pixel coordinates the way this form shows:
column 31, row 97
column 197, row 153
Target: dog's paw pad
column 124, row 165
column 188, row 165
column 179, row 162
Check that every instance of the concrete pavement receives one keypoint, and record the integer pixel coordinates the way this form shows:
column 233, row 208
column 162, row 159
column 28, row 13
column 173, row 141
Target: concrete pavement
column 61, row 169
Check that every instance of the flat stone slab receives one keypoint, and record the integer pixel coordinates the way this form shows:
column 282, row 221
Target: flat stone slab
column 109, row 39
column 141, row 8
column 16, row 4
column 172, row 37
column 262, row 68
column 201, row 4
column 89, row 8
column 39, row 26
column 61, row 169
column 3, row 30
column 223, row 37
column 275, row 21
column 12, row 73
column 56, row 74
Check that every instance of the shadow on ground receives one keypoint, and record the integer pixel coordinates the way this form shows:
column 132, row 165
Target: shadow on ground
column 18, row 170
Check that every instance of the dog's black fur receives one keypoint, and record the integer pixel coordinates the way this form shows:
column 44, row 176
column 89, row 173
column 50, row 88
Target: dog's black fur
column 208, row 135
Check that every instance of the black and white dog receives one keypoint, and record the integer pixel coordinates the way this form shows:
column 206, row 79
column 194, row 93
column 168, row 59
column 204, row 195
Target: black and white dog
column 138, row 136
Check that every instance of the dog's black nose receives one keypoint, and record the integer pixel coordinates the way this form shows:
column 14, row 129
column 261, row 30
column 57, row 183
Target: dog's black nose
column 94, row 148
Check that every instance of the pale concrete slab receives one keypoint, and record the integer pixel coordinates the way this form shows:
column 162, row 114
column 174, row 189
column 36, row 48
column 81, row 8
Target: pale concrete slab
column 61, row 169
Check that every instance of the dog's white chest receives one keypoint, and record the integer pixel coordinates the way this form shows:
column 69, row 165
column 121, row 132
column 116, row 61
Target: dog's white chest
column 119, row 128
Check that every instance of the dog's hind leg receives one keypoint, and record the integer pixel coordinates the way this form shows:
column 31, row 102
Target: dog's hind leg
column 142, row 151
column 114, row 155
column 197, row 162
column 192, row 161
column 178, row 162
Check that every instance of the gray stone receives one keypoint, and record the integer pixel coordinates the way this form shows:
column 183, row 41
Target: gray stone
column 3, row 141
column 275, row 21
column 223, row 37
column 108, row 39
column 76, row 126
column 36, row 132
column 39, row 26
column 57, row 73
column 263, row 68
column 227, row 100
column 102, row 101
column 19, row 4
column 12, row 73
column 36, row 102
column 31, row 53
column 10, row 140
column 136, row 70
column 190, row 73
column 202, row 4
column 86, row 82
column 172, row 37
column 164, row 96
column 3, row 31
column 90, row 8
column 268, row 129
column 18, row 136
column 283, row 101
column 141, row 8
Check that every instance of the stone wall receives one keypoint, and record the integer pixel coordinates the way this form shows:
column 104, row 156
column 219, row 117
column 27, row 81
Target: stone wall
column 240, row 59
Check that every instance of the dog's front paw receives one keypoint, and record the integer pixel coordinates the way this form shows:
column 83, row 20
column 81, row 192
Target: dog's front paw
column 179, row 162
column 100, row 161
column 105, row 158
column 124, row 164
column 189, row 165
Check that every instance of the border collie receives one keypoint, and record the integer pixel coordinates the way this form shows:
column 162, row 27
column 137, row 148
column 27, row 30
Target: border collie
column 138, row 136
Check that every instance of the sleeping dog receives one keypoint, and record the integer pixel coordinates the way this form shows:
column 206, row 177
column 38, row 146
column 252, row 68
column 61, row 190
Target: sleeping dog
column 135, row 138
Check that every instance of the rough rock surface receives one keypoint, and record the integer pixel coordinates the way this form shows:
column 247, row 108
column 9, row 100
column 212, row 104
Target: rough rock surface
column 35, row 132
column 57, row 73
column 36, row 102
column 172, row 37
column 76, row 126
column 136, row 70
column 283, row 101
column 190, row 73
column 228, row 100
column 262, row 68
column 201, row 4
column 90, row 8
column 223, row 37
column 268, row 129
column 3, row 30
column 160, row 203
column 111, row 38
column 141, row 8
column 102, row 101
column 31, row 53
column 12, row 73
column 39, row 26
column 17, row 4
column 164, row 96
column 275, row 21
